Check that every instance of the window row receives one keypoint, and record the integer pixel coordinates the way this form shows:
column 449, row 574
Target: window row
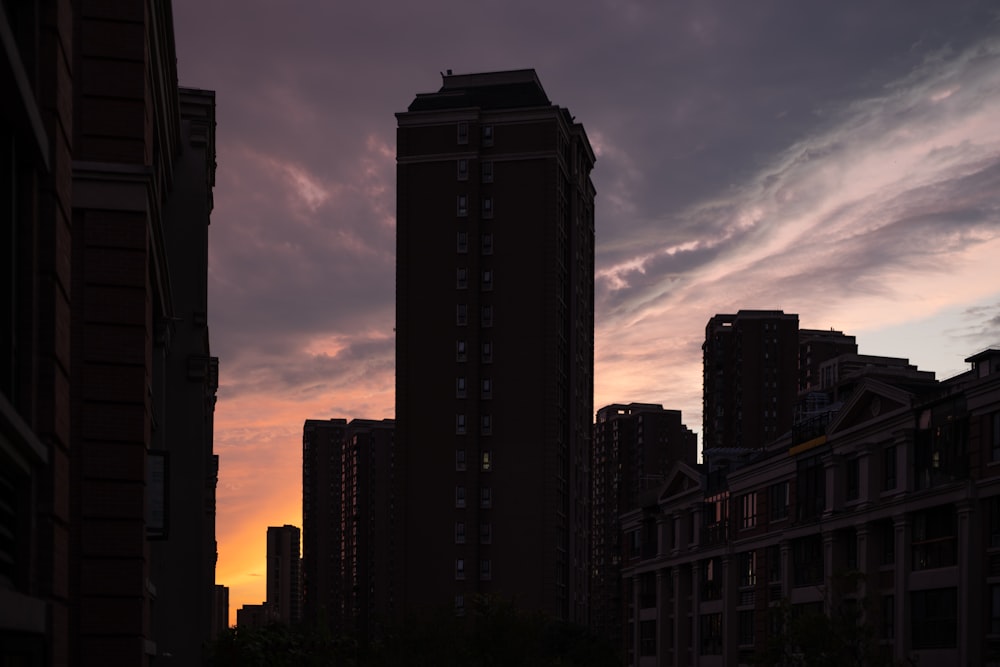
column 485, row 532
column 462, row 279
column 485, row 170
column 485, row 569
column 485, row 243
column 485, row 424
column 486, row 351
column 462, row 206
column 485, row 461
column 485, row 497
column 485, row 134
column 462, row 315
column 485, row 389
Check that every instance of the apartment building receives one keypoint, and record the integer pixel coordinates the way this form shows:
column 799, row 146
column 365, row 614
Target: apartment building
column 494, row 345
column 902, row 485
column 284, row 581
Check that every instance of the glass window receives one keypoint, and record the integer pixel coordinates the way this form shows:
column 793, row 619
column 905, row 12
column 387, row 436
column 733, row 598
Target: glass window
column 889, row 468
column 460, row 424
column 462, row 206
column 487, row 207
column 487, row 352
column 487, row 280
column 462, row 242
column 748, row 568
column 461, row 277
column 746, row 627
column 459, row 459
column 463, row 132
column 461, row 314
column 485, row 497
column 459, row 350
column 934, row 618
column 487, row 388
column 463, row 169
column 853, row 475
column 487, row 135
column 487, row 316
column 487, row 171
column 485, row 533
column 486, row 424
column 487, row 244
column 459, row 532
column 460, row 387
column 748, row 510
column 459, row 497
column 487, row 461
column 711, row 634
column 485, row 569
column 777, row 501
column 460, row 568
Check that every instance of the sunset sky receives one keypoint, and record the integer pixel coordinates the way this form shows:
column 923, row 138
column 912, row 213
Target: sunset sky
column 839, row 160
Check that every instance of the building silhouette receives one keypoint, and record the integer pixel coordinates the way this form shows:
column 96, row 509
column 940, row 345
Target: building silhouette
column 901, row 483
column 284, row 581
column 349, row 498
column 494, row 346
column 633, row 447
column 107, row 383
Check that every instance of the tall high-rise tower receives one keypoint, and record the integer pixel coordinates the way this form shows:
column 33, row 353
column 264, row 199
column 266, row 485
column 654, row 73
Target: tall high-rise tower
column 494, row 345
column 284, row 583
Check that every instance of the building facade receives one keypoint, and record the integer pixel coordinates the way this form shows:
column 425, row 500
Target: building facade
column 634, row 446
column 108, row 384
column 494, row 345
column 284, row 581
column 350, row 531
column 902, row 486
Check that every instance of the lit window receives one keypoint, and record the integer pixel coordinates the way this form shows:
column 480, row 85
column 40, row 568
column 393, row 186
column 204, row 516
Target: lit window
column 461, row 277
column 487, row 207
column 460, row 387
column 459, row 532
column 460, row 424
column 459, row 497
column 487, row 244
column 485, row 497
column 462, row 206
column 485, row 569
column 487, row 281
column 487, row 463
column 462, row 243
column 487, row 135
column 459, row 459
column 461, row 314
column 463, row 170
column 459, row 350
column 487, row 171
column 460, row 568
column 463, row 133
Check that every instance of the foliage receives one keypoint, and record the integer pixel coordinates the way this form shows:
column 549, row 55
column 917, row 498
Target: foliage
column 846, row 635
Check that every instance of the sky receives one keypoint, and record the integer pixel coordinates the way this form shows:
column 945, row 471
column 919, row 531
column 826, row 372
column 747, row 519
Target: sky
column 838, row 160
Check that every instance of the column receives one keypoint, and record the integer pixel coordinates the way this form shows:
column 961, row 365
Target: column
column 900, row 615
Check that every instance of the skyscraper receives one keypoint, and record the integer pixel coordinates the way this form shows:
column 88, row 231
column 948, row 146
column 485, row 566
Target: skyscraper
column 494, row 345
column 284, row 583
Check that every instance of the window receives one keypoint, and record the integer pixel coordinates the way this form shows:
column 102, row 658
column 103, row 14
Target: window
column 485, row 497
column 487, row 280
column 460, row 605
column 647, row 590
column 647, row 638
column 459, row 532
column 748, row 569
column 460, row 424
column 887, row 535
column 711, row 579
column 485, row 533
column 777, row 501
column 487, row 462
column 933, row 618
column 486, row 168
column 939, row 451
column 853, row 475
column 463, row 133
column 485, row 569
column 487, row 244
column 462, row 206
column 459, row 459
column 487, row 207
column 934, row 538
column 487, row 352
column 486, row 424
column 461, row 314
column 462, row 243
column 748, row 510
column 461, row 277
column 888, row 626
column 807, row 561
column 889, row 468
column 460, row 387
column 746, row 627
column 487, row 316
column 459, row 350
column 773, row 555
column 460, row 568
column 463, row 169
column 711, row 634
column 487, row 388
column 810, row 489
column 487, row 135
column 459, row 497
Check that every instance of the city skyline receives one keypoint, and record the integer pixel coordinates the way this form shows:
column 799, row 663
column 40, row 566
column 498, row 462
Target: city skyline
column 836, row 162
